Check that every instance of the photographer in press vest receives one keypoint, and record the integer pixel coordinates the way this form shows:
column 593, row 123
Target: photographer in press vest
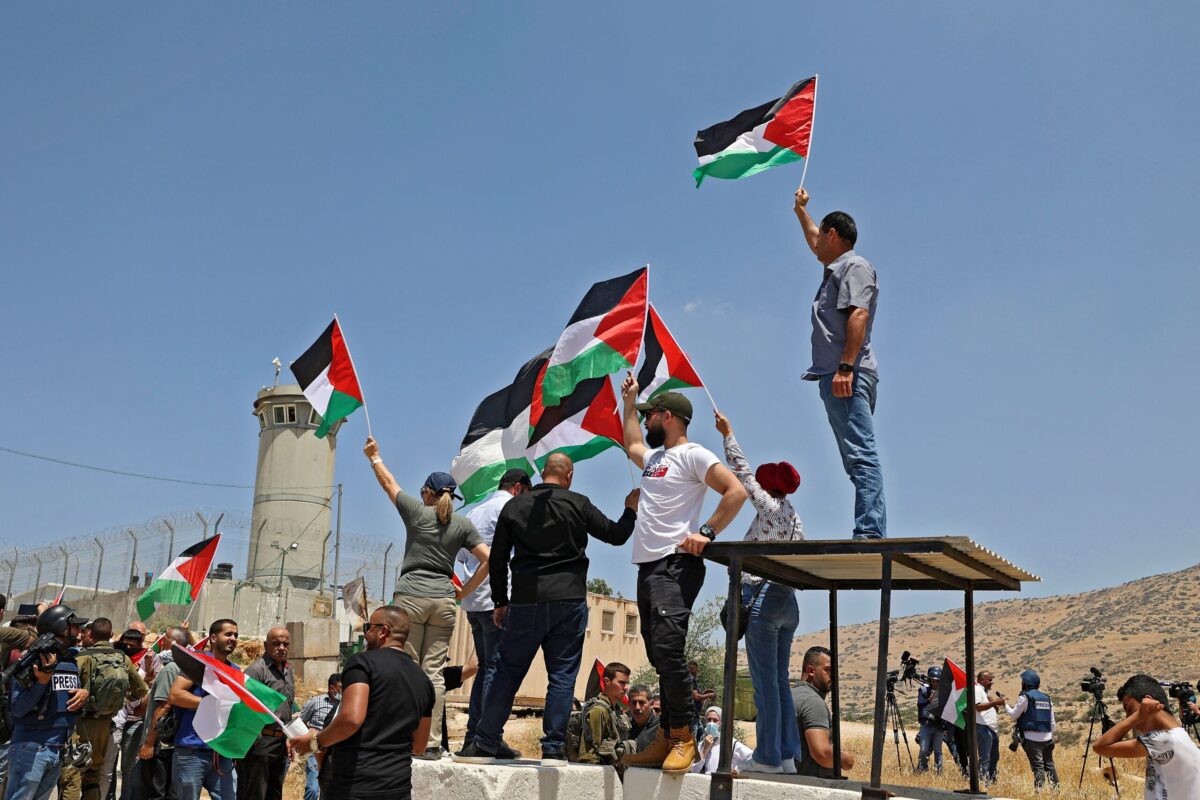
column 1033, row 715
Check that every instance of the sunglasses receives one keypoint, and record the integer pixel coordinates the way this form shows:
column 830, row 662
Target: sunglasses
column 368, row 625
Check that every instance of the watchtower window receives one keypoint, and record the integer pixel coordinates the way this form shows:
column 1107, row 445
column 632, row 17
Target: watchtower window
column 279, row 415
column 314, row 418
column 262, row 420
column 291, row 414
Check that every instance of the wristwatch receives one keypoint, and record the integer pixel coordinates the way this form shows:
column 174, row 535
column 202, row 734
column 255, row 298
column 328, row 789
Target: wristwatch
column 845, row 367
column 707, row 530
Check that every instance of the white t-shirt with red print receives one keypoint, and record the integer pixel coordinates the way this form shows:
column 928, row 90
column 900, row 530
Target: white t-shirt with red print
column 672, row 497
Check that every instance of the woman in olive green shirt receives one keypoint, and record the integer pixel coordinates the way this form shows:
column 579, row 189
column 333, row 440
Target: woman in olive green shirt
column 434, row 535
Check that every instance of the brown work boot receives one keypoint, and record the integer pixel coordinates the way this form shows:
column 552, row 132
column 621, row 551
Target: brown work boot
column 652, row 757
column 683, row 751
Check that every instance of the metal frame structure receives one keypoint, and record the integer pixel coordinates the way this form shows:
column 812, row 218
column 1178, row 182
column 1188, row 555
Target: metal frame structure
column 929, row 563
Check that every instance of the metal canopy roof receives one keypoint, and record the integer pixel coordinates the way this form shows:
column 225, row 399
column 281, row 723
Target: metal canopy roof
column 931, row 562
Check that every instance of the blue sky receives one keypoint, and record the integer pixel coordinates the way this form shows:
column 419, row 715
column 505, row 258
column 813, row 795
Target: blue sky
column 188, row 192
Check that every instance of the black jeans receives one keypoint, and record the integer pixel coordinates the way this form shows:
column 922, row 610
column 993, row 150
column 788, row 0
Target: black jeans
column 666, row 590
column 155, row 780
column 260, row 774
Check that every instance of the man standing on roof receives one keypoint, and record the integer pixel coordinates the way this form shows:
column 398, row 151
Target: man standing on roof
column 843, row 361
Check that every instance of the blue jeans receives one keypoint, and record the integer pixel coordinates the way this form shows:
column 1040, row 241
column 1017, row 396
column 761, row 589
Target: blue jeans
column 931, row 742
column 986, row 741
column 558, row 628
column 32, row 770
column 312, row 790
column 193, row 768
column 854, row 431
column 486, row 637
column 773, row 620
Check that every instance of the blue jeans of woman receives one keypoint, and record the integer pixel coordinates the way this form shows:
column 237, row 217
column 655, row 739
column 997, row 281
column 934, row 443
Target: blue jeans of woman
column 854, row 429
column 774, row 617
column 32, row 770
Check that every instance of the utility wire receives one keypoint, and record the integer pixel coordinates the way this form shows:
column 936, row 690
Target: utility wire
column 143, row 476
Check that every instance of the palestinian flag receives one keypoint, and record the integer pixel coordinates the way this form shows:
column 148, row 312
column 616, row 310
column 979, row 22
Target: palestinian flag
column 777, row 132
column 199, row 646
column 137, row 657
column 498, row 435
column 180, row 583
column 458, row 584
column 602, row 337
column 664, row 365
column 954, row 694
column 235, row 707
column 583, row 425
column 326, row 376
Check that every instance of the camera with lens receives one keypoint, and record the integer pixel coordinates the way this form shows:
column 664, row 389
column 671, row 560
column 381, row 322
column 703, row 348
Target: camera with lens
column 45, row 644
column 1185, row 693
column 1017, row 739
column 1094, row 683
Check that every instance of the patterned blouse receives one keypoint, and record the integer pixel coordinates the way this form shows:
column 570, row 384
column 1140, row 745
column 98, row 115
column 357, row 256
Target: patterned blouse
column 776, row 520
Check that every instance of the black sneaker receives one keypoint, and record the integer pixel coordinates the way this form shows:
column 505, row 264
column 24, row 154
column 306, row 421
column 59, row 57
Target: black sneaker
column 430, row 754
column 471, row 754
column 506, row 753
column 553, row 759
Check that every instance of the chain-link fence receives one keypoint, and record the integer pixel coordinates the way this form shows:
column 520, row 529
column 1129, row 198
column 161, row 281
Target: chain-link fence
column 116, row 558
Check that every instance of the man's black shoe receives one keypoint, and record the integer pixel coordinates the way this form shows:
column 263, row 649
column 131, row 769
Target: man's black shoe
column 471, row 754
column 430, row 754
column 506, row 753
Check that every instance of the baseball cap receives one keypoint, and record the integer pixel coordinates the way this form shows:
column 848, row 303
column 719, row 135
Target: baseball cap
column 516, row 475
column 439, row 482
column 674, row 402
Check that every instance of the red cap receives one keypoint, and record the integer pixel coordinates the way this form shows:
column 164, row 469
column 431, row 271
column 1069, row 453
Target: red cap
column 781, row 477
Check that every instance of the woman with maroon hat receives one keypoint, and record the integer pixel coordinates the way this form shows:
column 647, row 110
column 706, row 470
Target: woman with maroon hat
column 774, row 615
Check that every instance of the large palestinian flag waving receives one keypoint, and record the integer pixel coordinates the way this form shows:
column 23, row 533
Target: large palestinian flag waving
column 583, row 425
column 235, row 707
column 603, row 336
column 180, row 583
column 777, row 132
column 498, row 435
column 664, row 364
column 954, row 695
column 326, row 376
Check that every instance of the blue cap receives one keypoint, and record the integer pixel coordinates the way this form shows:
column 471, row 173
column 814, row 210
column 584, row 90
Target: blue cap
column 439, row 482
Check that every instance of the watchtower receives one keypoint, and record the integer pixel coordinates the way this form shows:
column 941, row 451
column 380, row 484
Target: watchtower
column 293, row 487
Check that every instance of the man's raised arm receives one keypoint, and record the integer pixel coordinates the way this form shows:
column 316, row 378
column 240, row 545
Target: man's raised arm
column 635, row 445
column 811, row 230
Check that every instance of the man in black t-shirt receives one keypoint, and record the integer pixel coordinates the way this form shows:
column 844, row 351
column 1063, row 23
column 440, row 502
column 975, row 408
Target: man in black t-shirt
column 384, row 716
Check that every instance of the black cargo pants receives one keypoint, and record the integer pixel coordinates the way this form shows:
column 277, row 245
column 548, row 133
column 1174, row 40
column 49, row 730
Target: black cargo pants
column 666, row 590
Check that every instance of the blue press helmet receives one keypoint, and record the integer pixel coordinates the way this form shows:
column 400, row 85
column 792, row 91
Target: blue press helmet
column 934, row 673
column 1030, row 679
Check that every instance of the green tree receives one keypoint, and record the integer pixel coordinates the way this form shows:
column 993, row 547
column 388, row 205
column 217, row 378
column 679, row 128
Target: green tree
column 599, row 586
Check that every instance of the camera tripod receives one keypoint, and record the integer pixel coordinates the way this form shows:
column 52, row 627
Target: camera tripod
column 893, row 715
column 1099, row 714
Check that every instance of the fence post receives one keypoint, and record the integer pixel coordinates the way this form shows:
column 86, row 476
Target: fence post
column 99, row 565
column 66, row 564
column 383, row 581
column 171, row 546
column 37, row 583
column 132, row 561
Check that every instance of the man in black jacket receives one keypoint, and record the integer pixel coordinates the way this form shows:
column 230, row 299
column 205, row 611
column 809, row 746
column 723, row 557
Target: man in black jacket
column 546, row 530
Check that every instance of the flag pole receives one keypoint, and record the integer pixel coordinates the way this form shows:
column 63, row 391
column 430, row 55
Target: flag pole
column 367, row 411
column 812, row 127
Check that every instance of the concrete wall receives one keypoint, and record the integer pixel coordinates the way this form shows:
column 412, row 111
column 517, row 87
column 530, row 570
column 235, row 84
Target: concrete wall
column 528, row 780
column 614, row 645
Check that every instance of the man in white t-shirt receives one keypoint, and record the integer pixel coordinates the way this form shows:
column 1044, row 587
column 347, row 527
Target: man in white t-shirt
column 987, row 726
column 1172, row 758
column 667, row 541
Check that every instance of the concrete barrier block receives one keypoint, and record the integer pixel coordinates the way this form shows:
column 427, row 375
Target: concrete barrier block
column 522, row 780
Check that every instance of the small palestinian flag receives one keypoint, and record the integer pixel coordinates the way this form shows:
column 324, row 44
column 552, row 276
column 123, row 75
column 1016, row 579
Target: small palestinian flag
column 583, row 425
column 954, row 694
column 777, row 132
column 664, row 366
column 137, row 657
column 602, row 337
column 458, row 584
column 498, row 434
column 595, row 684
column 199, row 646
column 180, row 583
column 235, row 707
column 326, row 376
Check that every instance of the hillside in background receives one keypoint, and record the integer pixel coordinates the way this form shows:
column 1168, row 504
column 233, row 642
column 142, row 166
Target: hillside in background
column 1147, row 625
